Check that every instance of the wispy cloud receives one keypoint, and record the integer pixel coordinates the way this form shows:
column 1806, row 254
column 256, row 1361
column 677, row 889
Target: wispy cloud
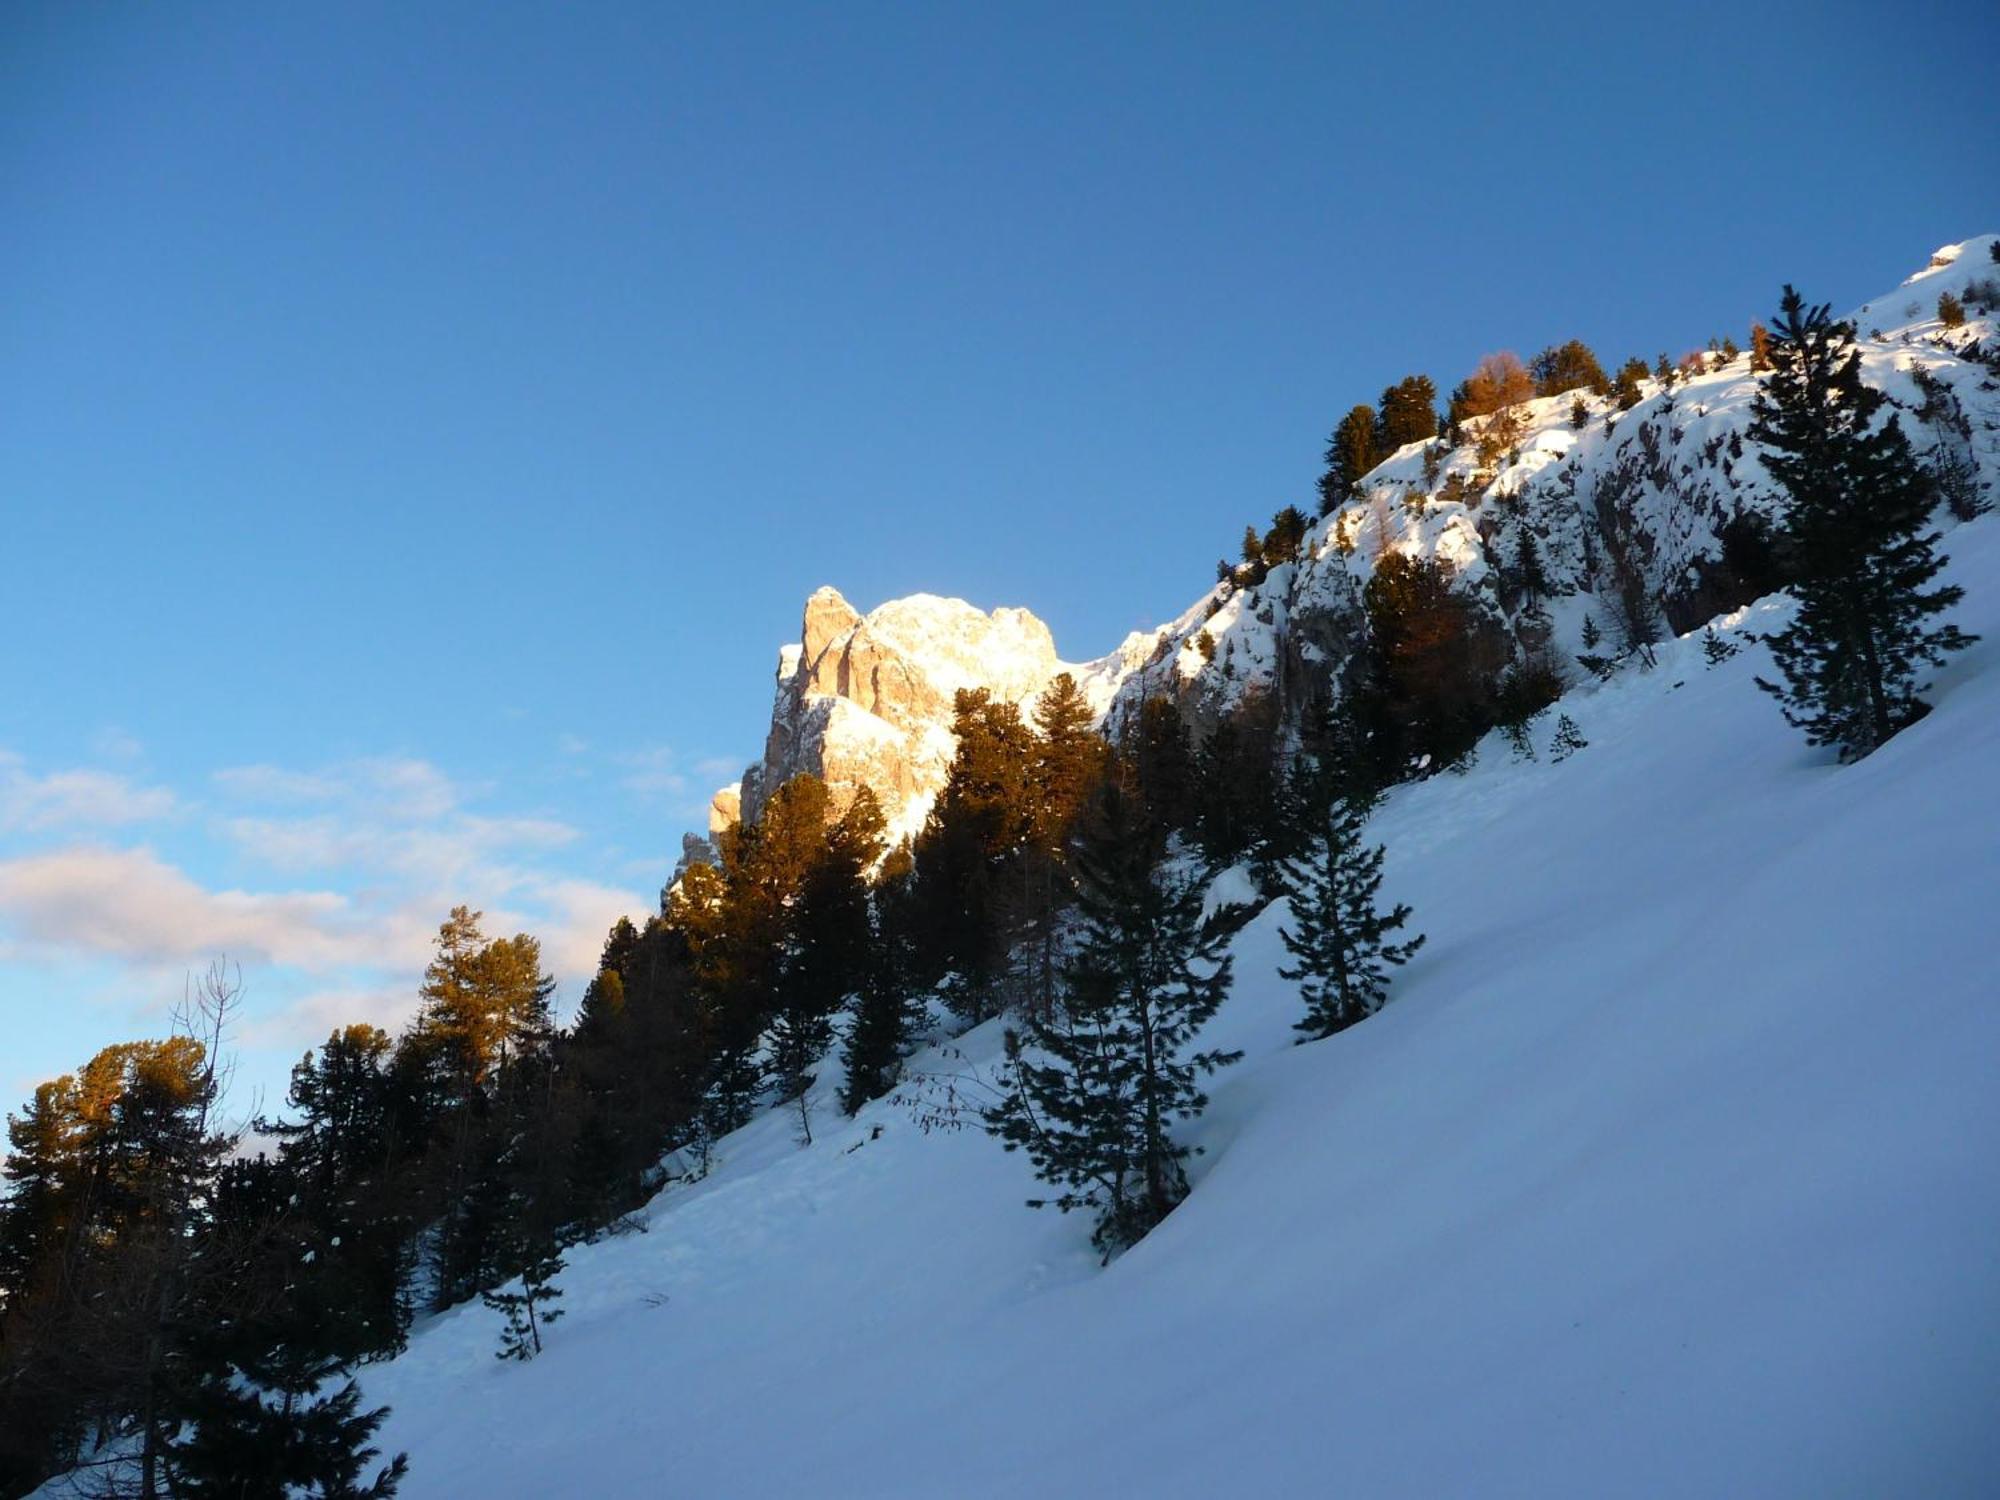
column 75, row 799
column 443, row 851
column 338, row 876
column 654, row 774
column 113, row 743
column 391, row 787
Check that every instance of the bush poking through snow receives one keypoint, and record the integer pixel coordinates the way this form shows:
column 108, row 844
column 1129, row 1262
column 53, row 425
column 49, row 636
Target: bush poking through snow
column 1568, row 739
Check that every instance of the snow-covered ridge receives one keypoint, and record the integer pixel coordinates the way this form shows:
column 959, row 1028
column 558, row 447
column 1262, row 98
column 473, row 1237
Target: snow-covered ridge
column 1657, row 485
column 1961, row 270
column 866, row 700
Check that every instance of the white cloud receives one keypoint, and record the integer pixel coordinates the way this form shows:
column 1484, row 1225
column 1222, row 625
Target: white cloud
column 131, row 904
column 460, row 847
column 339, row 876
column 391, row 787
column 579, row 914
column 311, row 1018
column 113, row 743
column 75, row 799
column 653, row 773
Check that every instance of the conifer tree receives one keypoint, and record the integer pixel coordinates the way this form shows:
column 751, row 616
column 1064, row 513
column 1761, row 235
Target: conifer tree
column 969, row 854
column 263, row 1430
column 1288, row 530
column 1407, row 414
column 1094, row 1090
column 1568, row 739
column 1433, row 670
column 1338, row 932
column 1236, row 773
column 1350, row 454
column 826, row 951
column 1568, row 367
column 890, row 1007
column 1528, row 569
column 111, row 1198
column 353, row 1242
column 1253, row 554
column 603, row 1003
column 483, row 1005
column 528, row 1310
column 1626, row 386
column 1067, row 763
column 1858, row 523
column 1163, row 763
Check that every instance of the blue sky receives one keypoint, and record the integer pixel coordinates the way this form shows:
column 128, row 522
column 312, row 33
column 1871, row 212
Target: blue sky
column 420, row 425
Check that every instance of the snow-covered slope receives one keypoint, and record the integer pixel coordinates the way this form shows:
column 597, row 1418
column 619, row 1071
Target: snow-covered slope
column 1656, row 485
column 1668, row 1171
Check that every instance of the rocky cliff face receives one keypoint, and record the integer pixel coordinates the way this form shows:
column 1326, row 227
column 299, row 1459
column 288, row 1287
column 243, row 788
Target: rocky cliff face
column 866, row 700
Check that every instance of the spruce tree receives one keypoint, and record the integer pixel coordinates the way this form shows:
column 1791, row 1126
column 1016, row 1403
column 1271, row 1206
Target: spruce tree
column 1094, row 1090
column 1068, row 762
column 265, row 1432
column 1626, row 386
column 1350, row 454
column 353, row 1241
column 1534, row 578
column 1338, row 932
column 890, row 1007
column 524, row 1251
column 968, row 855
column 825, row 952
column 1568, row 367
column 1407, row 414
column 527, row 1311
column 1163, row 762
column 1858, row 524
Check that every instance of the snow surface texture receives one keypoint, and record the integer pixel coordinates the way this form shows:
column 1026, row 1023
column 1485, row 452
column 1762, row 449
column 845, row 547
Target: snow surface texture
column 1667, row 1171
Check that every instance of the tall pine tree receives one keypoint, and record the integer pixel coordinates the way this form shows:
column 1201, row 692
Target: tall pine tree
column 890, row 1006
column 1094, row 1090
column 1338, row 932
column 1859, row 526
column 1350, row 454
